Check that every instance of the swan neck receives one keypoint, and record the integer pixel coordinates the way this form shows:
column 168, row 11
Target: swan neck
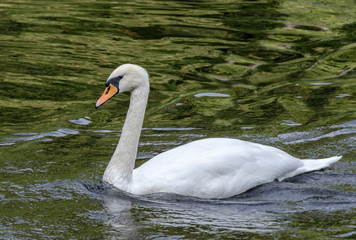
column 120, row 168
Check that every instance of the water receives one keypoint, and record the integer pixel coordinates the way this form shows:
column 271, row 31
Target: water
column 281, row 73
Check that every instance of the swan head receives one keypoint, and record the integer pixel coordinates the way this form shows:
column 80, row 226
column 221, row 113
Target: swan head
column 125, row 78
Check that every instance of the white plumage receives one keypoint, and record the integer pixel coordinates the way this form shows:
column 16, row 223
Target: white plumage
column 207, row 168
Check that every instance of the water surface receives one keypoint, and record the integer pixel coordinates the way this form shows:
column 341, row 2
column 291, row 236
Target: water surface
column 281, row 73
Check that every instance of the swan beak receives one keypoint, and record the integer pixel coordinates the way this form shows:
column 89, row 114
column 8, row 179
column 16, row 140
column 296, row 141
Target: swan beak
column 109, row 92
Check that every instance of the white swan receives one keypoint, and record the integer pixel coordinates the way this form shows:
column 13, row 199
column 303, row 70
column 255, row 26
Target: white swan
column 208, row 168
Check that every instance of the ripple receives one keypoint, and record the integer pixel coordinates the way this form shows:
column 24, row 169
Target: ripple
column 211, row 94
column 24, row 137
column 170, row 129
column 290, row 123
column 81, row 121
column 351, row 124
column 343, row 95
column 328, row 135
column 320, row 84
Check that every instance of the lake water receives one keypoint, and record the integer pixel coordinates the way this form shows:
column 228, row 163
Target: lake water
column 281, row 73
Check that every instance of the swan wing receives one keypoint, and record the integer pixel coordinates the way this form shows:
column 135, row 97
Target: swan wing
column 212, row 168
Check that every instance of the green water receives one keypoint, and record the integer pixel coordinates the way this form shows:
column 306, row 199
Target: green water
column 282, row 73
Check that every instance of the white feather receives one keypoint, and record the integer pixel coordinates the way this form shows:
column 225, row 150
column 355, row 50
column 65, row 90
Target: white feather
column 207, row 168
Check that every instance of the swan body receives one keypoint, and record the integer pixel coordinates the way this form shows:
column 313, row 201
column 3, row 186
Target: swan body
column 207, row 168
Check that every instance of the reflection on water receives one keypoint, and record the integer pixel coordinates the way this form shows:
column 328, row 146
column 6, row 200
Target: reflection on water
column 280, row 73
column 120, row 219
column 274, row 209
column 262, row 210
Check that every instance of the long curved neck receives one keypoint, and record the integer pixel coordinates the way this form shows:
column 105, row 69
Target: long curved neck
column 120, row 168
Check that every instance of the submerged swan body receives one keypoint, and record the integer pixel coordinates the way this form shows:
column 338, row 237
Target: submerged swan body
column 207, row 168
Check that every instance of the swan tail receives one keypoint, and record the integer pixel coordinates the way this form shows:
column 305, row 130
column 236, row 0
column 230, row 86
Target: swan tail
column 313, row 165
column 310, row 165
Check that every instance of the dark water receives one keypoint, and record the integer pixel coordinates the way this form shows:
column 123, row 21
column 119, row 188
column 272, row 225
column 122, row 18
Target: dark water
column 280, row 73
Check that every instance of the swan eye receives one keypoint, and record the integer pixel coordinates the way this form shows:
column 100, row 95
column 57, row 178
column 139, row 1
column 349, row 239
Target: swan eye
column 108, row 90
column 114, row 81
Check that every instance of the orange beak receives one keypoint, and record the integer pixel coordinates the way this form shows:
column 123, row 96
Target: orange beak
column 109, row 92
